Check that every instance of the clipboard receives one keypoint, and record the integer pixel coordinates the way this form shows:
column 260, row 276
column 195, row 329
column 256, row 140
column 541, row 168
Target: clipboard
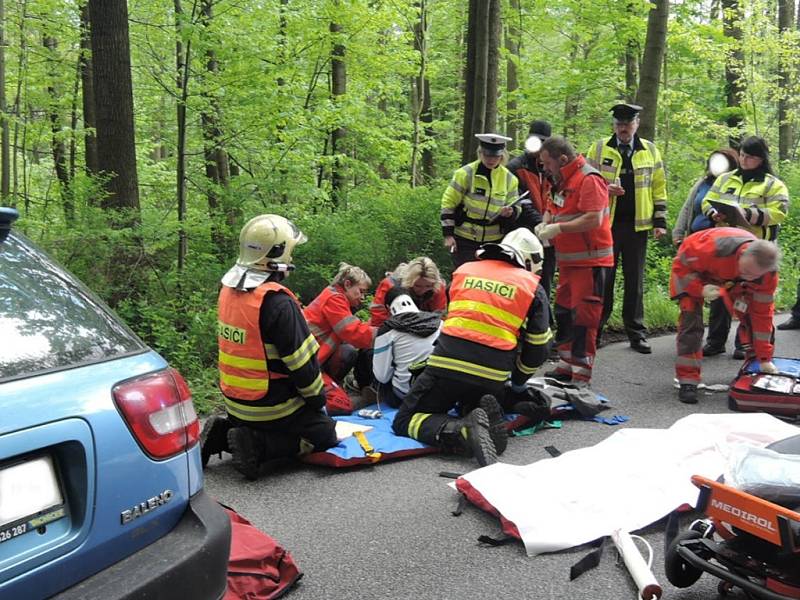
column 522, row 199
column 732, row 212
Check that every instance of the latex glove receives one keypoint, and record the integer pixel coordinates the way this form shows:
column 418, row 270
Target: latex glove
column 450, row 243
column 711, row 292
column 768, row 367
column 546, row 231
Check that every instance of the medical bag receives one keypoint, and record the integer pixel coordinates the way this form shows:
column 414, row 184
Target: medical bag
column 778, row 394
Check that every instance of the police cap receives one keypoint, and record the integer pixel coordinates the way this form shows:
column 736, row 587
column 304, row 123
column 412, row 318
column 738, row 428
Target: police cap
column 625, row 112
column 492, row 144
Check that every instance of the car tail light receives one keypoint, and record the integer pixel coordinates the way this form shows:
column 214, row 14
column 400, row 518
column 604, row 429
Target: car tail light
column 159, row 411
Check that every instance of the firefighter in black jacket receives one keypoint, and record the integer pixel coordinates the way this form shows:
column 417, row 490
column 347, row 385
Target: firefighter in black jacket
column 495, row 302
column 268, row 370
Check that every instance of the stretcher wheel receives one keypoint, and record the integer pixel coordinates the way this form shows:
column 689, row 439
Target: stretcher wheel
column 724, row 588
column 679, row 572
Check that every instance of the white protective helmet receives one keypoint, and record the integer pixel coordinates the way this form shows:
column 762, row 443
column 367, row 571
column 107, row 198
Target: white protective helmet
column 402, row 304
column 525, row 247
column 266, row 243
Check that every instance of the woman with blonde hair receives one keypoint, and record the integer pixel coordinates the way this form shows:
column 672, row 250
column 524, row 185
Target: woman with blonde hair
column 425, row 285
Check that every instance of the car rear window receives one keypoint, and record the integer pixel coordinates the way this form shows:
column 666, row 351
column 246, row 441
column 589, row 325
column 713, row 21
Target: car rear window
column 48, row 319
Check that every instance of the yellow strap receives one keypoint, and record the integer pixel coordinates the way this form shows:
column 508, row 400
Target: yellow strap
column 369, row 451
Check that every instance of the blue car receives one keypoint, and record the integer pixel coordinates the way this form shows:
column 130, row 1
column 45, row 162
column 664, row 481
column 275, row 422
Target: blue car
column 101, row 487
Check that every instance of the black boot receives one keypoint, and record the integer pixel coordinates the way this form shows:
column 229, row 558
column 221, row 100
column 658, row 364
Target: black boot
column 247, row 449
column 688, row 393
column 469, row 435
column 214, row 437
column 497, row 424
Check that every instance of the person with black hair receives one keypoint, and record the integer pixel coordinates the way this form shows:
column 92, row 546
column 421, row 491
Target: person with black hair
column 758, row 202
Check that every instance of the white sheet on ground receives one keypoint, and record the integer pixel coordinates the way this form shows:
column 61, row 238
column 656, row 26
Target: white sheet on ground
column 628, row 481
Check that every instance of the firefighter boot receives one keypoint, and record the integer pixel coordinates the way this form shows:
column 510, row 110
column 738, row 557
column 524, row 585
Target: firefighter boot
column 214, row 437
column 469, row 435
column 497, row 424
column 247, row 449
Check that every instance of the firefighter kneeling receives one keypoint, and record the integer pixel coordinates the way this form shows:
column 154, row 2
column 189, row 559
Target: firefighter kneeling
column 734, row 265
column 268, row 369
column 494, row 301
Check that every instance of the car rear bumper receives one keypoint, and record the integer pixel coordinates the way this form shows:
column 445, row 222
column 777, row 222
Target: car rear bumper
column 191, row 560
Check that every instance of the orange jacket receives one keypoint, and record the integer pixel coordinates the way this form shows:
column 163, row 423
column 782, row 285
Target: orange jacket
column 489, row 301
column 712, row 257
column 582, row 189
column 437, row 302
column 332, row 322
column 242, row 361
column 539, row 187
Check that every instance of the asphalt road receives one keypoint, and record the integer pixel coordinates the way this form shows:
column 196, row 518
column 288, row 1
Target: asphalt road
column 386, row 531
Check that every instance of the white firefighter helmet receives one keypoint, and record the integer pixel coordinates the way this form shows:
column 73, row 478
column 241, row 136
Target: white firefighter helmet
column 525, row 247
column 266, row 243
column 402, row 304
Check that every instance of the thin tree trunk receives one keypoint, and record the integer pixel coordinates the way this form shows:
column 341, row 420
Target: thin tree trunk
column 21, row 66
column 654, row 49
column 512, row 43
column 57, row 145
column 467, row 147
column 422, row 167
column 492, row 65
column 338, row 89
column 5, row 162
column 734, row 90
column 571, row 99
column 785, row 80
column 182, row 84
column 113, row 89
column 89, row 112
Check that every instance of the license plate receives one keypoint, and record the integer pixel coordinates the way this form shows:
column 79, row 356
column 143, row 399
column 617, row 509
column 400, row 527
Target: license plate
column 30, row 497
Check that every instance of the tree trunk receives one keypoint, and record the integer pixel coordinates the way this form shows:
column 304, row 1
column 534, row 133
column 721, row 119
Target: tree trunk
column 57, row 146
column 224, row 216
column 734, row 89
column 492, row 65
column 654, row 49
column 338, row 89
column 116, row 147
column 512, row 43
column 571, row 99
column 632, row 58
column 422, row 116
column 467, row 147
column 182, row 85
column 477, row 86
column 87, row 83
column 5, row 162
column 786, row 77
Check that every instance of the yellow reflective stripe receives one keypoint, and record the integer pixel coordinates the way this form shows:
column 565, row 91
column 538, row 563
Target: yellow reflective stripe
column 762, row 336
column 481, row 307
column 469, row 368
column 301, row 356
column 416, row 421
column 272, row 352
column 457, row 187
column 538, row 339
column 313, row 389
column 240, row 362
column 485, row 328
column 524, row 368
column 250, row 412
column 245, row 383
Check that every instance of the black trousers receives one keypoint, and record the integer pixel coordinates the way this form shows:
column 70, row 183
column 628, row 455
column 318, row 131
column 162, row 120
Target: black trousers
column 796, row 307
column 465, row 251
column 304, row 431
column 719, row 325
column 631, row 247
column 434, row 396
column 346, row 357
column 546, row 277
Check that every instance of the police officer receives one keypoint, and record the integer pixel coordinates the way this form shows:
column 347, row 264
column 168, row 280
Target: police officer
column 633, row 168
column 476, row 205
column 268, row 370
column 495, row 302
